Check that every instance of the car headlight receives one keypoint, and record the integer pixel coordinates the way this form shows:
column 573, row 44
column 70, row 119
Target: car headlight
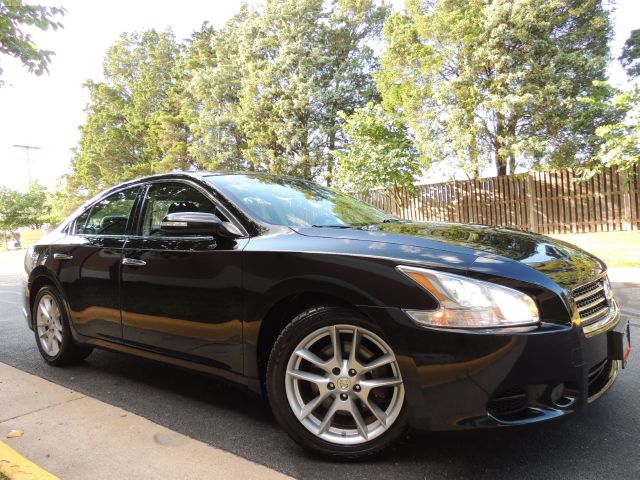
column 469, row 303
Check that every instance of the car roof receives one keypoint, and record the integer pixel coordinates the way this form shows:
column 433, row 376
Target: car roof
column 199, row 175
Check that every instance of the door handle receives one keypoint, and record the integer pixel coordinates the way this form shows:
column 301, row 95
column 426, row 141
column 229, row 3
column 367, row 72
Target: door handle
column 62, row 256
column 133, row 262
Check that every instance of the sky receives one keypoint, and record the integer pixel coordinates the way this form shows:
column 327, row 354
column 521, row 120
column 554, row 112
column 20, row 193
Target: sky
column 46, row 111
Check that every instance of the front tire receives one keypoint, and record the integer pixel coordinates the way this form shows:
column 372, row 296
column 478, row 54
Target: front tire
column 52, row 330
column 335, row 386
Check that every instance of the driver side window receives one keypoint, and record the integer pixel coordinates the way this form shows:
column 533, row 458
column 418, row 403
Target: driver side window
column 165, row 198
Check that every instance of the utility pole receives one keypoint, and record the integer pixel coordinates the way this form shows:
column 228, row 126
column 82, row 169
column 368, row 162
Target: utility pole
column 28, row 148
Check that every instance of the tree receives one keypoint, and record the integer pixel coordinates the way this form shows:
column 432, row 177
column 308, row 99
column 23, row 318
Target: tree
column 16, row 43
column 620, row 145
column 211, row 96
column 129, row 115
column 379, row 153
column 63, row 200
column 280, row 89
column 630, row 58
column 498, row 82
column 23, row 209
column 347, row 75
column 33, row 208
column 8, row 210
column 268, row 92
column 262, row 93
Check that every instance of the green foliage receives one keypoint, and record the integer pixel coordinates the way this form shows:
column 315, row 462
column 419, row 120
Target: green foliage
column 268, row 95
column 282, row 62
column 210, row 98
column 14, row 15
column 379, row 153
column 630, row 58
column 620, row 145
column 498, row 82
column 130, row 117
column 23, row 209
column 262, row 93
column 295, row 87
column 62, row 201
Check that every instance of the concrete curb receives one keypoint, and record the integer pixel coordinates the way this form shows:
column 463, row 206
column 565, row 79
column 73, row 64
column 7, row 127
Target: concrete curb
column 78, row 437
column 16, row 467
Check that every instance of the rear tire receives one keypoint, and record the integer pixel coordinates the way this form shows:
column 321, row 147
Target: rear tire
column 336, row 403
column 53, row 332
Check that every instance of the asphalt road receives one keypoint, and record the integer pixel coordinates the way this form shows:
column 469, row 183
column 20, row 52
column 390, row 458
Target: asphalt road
column 601, row 442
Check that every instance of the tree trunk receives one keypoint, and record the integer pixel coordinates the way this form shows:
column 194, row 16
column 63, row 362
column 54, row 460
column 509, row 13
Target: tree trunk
column 512, row 163
column 306, row 156
column 330, row 160
column 473, row 148
column 473, row 154
column 273, row 161
column 511, row 130
column 498, row 146
column 397, row 195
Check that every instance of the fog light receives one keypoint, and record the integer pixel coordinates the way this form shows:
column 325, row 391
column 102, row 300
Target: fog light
column 556, row 393
column 560, row 398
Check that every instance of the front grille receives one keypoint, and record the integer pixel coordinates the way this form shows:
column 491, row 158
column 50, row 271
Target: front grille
column 591, row 301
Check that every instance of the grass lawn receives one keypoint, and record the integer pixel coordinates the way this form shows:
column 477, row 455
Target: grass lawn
column 617, row 249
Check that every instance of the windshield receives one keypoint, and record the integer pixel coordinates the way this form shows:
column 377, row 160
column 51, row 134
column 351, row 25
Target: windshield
column 296, row 203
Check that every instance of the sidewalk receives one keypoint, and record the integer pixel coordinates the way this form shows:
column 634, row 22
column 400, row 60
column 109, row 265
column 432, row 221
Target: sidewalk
column 74, row 436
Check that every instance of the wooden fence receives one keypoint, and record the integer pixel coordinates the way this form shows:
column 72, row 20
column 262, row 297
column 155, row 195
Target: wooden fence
column 543, row 202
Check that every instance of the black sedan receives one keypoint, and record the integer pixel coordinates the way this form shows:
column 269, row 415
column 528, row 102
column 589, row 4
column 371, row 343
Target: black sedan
column 355, row 324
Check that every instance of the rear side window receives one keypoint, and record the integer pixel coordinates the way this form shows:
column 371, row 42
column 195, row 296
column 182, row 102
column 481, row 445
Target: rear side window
column 165, row 198
column 109, row 216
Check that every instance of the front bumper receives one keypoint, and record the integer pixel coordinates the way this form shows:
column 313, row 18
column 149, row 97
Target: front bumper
column 462, row 379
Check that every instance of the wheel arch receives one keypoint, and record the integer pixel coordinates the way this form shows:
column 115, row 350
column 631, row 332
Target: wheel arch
column 39, row 278
column 282, row 312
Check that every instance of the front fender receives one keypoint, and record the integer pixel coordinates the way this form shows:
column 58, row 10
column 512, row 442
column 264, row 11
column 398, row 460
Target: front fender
column 270, row 278
column 34, row 270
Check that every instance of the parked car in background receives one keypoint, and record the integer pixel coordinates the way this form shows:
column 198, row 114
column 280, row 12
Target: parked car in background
column 355, row 324
column 13, row 245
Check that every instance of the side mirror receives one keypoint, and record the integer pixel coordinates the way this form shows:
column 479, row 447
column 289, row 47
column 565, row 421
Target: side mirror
column 198, row 223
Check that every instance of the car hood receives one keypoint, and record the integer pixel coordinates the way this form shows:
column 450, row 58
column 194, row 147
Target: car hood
column 563, row 263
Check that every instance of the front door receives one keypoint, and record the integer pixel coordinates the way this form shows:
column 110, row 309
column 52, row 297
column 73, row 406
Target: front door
column 181, row 295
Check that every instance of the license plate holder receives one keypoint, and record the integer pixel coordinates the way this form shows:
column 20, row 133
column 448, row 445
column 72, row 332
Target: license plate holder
column 620, row 342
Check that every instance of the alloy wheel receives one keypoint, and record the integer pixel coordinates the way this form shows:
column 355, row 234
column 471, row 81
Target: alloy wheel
column 49, row 325
column 343, row 384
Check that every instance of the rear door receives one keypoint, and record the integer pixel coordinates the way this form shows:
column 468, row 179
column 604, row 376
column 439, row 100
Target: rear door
column 181, row 294
column 87, row 263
